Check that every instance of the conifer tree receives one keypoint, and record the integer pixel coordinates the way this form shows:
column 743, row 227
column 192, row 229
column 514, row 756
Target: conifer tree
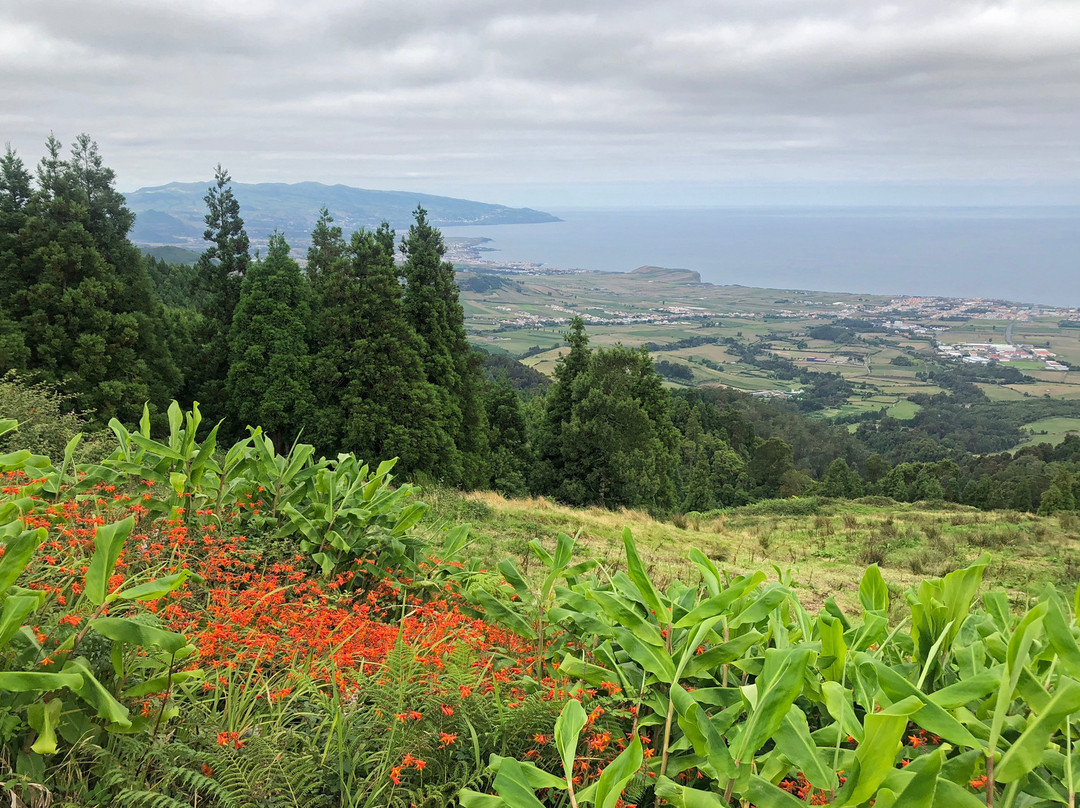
column 219, row 275
column 432, row 308
column 268, row 383
column 511, row 456
column 620, row 447
column 373, row 395
column 558, row 410
column 77, row 289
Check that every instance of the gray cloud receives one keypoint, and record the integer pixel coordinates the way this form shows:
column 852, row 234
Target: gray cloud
column 453, row 95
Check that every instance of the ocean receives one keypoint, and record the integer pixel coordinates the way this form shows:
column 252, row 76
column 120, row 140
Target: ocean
column 1028, row 255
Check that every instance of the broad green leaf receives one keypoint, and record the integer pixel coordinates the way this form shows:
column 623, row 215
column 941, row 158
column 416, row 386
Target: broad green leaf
column 1016, row 657
column 683, row 797
column 1061, row 638
column 832, row 647
column 699, row 729
column 25, row 682
column 794, row 742
column 94, row 693
column 876, row 755
column 780, row 683
column 656, row 661
column 623, row 614
column 475, row 799
column 7, row 425
column 764, row 794
column 43, row 718
column 636, row 570
column 1027, row 750
column 510, row 573
column 770, row 597
column 720, row 604
column 16, row 609
column 121, row 629
column 617, row 774
column 579, row 669
column 511, row 783
column 535, row 777
column 159, row 684
column 410, row 515
column 713, row 580
column 568, row 727
column 838, row 704
column 17, row 554
column 158, row 588
column 108, row 542
column 974, row 688
column 929, row 716
column 178, row 481
column 873, row 591
column 497, row 610
column 921, row 790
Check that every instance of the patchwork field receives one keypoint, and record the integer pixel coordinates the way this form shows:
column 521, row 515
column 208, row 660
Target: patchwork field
column 884, row 351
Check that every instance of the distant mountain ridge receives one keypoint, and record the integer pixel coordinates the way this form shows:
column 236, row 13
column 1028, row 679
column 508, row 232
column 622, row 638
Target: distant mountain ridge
column 172, row 215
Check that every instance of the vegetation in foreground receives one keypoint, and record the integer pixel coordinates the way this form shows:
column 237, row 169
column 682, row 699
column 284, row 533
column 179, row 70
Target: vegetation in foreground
column 188, row 624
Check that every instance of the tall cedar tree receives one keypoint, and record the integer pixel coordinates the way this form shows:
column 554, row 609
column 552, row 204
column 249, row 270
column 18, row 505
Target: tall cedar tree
column 373, row 396
column 218, row 277
column 434, row 312
column 75, row 289
column 268, row 383
column 620, row 448
column 558, row 409
column 511, row 455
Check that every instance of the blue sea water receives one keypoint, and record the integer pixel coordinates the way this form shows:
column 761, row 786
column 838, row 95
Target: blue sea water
column 1029, row 255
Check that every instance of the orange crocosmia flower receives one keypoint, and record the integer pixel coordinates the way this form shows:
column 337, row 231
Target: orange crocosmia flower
column 447, row 738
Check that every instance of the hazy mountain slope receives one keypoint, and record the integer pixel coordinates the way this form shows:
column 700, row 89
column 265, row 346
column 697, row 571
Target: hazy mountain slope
column 173, row 214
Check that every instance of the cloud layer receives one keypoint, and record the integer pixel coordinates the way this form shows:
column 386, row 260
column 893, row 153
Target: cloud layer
column 452, row 95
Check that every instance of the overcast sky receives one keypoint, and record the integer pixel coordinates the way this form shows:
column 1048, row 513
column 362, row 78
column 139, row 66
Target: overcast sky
column 559, row 103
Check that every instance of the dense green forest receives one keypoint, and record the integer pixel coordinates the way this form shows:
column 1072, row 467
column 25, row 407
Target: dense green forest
column 363, row 349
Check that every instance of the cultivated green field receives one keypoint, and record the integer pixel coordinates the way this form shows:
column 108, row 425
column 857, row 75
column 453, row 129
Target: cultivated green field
column 525, row 315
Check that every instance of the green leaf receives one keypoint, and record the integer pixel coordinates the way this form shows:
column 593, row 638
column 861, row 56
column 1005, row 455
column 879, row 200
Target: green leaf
column 475, row 799
column 876, row 755
column 7, row 425
column 108, row 542
column 921, row 790
column 158, row 588
column 770, row 597
column 159, row 684
column 683, row 797
column 43, row 718
column 838, row 704
column 497, row 610
column 656, row 661
column 617, row 774
column 929, row 716
column 512, row 785
column 568, row 726
column 636, row 570
column 534, row 776
column 780, row 683
column 764, row 794
column 623, row 614
column 15, row 611
column 1026, row 752
column 833, row 646
column 721, row 603
column 699, row 730
column 17, row 554
column 873, row 591
column 794, row 742
column 122, row 629
column 94, row 693
column 25, row 682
